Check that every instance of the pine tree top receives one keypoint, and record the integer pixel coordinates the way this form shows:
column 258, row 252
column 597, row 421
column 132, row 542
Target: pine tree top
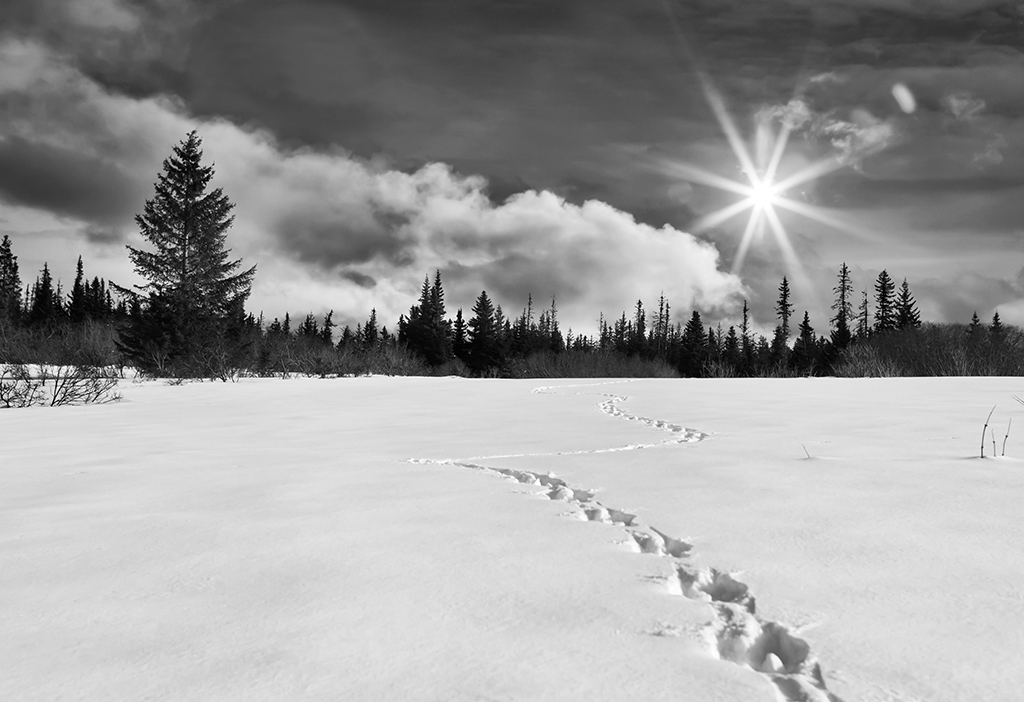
column 187, row 226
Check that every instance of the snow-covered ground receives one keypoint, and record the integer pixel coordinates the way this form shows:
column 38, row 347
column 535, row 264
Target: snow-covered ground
column 404, row 539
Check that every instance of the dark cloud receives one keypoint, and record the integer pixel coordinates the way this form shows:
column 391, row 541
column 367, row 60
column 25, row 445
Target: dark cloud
column 104, row 236
column 66, row 182
column 360, row 279
column 501, row 188
column 567, row 96
column 328, row 243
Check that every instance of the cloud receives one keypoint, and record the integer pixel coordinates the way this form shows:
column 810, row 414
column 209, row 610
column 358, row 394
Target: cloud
column 852, row 139
column 330, row 230
column 826, row 77
column 65, row 181
column 795, row 114
column 992, row 155
column 963, row 106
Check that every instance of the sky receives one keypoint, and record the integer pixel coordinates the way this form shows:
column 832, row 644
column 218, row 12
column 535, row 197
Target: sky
column 553, row 148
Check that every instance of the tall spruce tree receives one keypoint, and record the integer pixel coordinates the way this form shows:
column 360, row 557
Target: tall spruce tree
column 10, row 284
column 637, row 341
column 78, row 302
column 841, row 334
column 46, row 304
column 193, row 291
column 885, row 303
column 783, row 308
column 484, row 345
column 426, row 331
column 556, row 342
column 907, row 315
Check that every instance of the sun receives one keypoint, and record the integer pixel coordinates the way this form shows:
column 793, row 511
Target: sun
column 764, row 193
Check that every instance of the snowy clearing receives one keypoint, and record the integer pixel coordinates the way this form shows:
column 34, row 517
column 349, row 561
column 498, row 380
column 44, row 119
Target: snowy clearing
column 450, row 539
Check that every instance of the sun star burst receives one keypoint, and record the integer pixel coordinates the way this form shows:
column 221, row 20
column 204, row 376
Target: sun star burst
column 764, row 192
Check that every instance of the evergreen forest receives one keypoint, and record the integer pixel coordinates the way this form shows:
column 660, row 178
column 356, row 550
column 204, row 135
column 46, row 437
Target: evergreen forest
column 189, row 321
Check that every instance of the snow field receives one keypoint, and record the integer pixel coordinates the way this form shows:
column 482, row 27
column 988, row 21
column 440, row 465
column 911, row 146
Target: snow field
column 426, row 539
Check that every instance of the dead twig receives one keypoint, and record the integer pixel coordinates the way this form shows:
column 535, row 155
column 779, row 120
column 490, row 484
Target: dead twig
column 984, row 429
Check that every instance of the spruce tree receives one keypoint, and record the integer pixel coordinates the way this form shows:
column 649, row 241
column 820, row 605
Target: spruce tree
column 327, row 329
column 907, row 315
column 371, row 334
column 193, row 292
column 637, row 342
column 460, row 343
column 863, row 317
column 309, row 329
column 484, row 347
column 885, row 303
column 78, row 307
column 693, row 347
column 45, row 307
column 779, row 349
column 784, row 309
column 556, row 342
column 347, row 337
column 732, row 348
column 426, row 331
column 843, row 307
column 10, row 284
column 974, row 326
column 996, row 327
column 805, row 349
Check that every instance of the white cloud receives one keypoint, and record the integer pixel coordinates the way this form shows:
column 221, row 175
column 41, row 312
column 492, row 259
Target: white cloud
column 852, row 139
column 332, row 231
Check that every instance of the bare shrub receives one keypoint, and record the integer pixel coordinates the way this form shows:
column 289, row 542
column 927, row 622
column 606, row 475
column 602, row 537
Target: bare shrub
column 935, row 350
column 587, row 364
column 55, row 386
column 78, row 385
column 18, row 388
column 719, row 369
column 864, row 361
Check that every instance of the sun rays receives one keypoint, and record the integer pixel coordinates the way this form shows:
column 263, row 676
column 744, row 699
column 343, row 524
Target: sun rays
column 765, row 192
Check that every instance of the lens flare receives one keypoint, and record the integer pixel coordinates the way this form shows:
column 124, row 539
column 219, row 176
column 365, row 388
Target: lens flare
column 764, row 193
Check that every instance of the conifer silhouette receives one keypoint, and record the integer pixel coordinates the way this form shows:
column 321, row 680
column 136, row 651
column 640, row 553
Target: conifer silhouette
column 907, row 315
column 10, row 284
column 484, row 346
column 885, row 303
column 193, row 295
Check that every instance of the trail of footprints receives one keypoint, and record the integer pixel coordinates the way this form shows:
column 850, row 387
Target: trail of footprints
column 736, row 634
column 680, row 434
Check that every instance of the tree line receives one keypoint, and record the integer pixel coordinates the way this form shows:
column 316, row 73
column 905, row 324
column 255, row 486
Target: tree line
column 189, row 320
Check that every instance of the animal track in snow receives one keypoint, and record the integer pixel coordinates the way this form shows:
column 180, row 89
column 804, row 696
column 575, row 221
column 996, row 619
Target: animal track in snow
column 660, row 544
column 715, row 585
column 736, row 634
column 610, row 406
